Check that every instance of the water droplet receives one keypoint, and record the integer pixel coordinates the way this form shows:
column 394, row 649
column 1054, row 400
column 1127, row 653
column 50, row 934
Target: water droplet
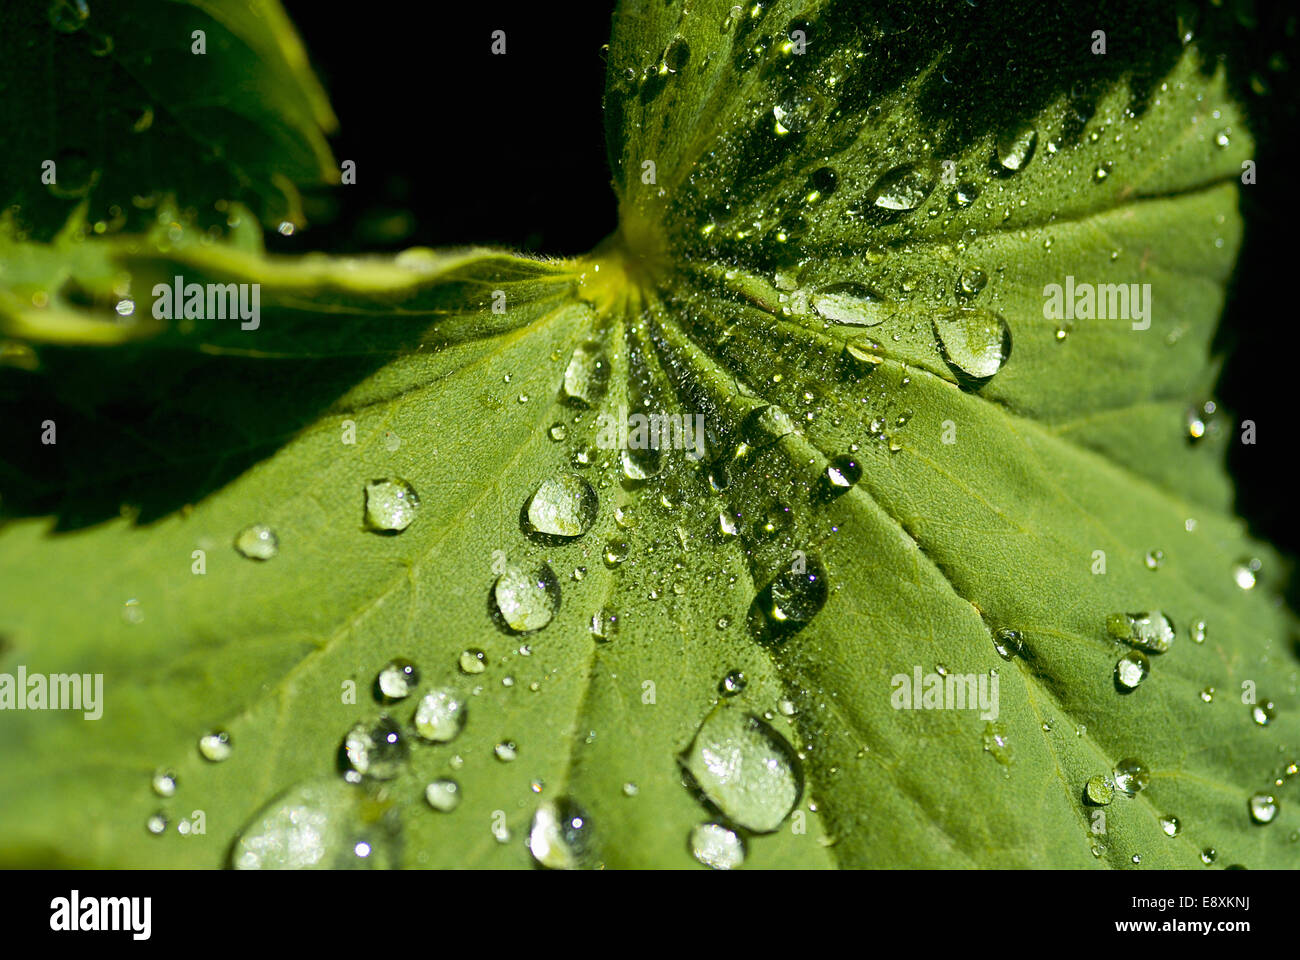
column 164, row 783
column 823, row 181
column 1099, row 790
column 587, row 375
column 1245, row 573
column 641, row 463
column 1198, row 631
column 765, row 426
column 440, row 716
column 789, row 602
column 903, row 188
column 1154, row 558
column 375, row 749
column 615, row 552
column 1008, row 643
column 215, row 746
column 563, row 506
column 997, row 743
column 604, row 624
column 971, row 282
column 744, row 768
column 68, row 16
column 1263, row 807
column 561, row 837
column 975, row 343
column 257, row 542
column 1153, row 632
column 390, row 505
column 796, row 113
column 321, row 824
column 558, row 431
column 732, row 684
column 397, row 679
column 1102, row 171
column 506, row 751
column 1015, row 148
column 851, row 303
column 1131, row 776
column 715, row 846
column 472, row 661
column 1170, row 825
column 1207, row 694
column 964, row 195
column 1209, row 855
column 1131, row 670
column 1263, row 713
column 443, row 795
column 527, row 597
column 842, row 473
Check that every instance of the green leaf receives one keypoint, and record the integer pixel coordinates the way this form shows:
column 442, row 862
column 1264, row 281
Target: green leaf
column 122, row 102
column 902, row 463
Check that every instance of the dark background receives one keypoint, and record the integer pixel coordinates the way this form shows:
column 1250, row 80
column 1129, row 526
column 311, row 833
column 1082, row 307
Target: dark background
column 455, row 145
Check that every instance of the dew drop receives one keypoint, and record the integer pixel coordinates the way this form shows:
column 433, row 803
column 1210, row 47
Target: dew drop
column 842, row 473
column 971, row 281
column 375, row 749
column 1263, row 807
column 744, row 768
column 1170, row 825
column 1245, row 573
column 506, row 751
column 472, row 661
column 1198, row 631
column 615, row 552
column 396, row 680
column 715, row 846
column 604, row 625
column 164, row 783
column 257, row 542
column 215, row 746
column 1131, row 776
column 157, row 823
column 563, row 506
column 443, row 795
column 975, row 343
column 903, row 188
column 1015, row 148
column 1209, row 855
column 997, row 743
column 732, row 684
column 390, row 505
column 789, row 602
column 440, row 716
column 527, row 597
column 850, row 303
column 587, row 375
column 560, row 837
column 1263, row 713
column 1153, row 632
column 1099, row 790
column 318, row 825
column 1008, row 643
column 1154, row 559
column 1131, row 670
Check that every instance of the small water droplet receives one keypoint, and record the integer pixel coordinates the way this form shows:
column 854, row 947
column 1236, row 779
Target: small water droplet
column 1131, row 776
column 390, row 505
column 527, row 597
column 903, row 188
column 1154, row 558
column 506, row 751
column 558, row 431
column 732, row 684
column 1245, row 573
column 164, row 783
column 397, row 679
column 1099, row 789
column 1015, row 148
column 1207, row 694
column 1153, row 632
column 615, row 552
column 215, row 746
column 715, row 846
column 440, row 716
column 842, row 473
column 1131, row 670
column 157, row 823
column 850, row 303
column 1263, row 713
column 257, row 542
column 472, row 661
column 604, row 624
column 1198, row 631
column 789, row 602
column 971, row 282
column 1008, row 643
column 375, row 749
column 1209, row 855
column 1170, row 825
column 443, row 795
column 997, row 743
column 1263, row 807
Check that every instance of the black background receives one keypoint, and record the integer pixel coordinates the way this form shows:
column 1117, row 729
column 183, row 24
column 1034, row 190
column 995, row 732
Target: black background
column 509, row 150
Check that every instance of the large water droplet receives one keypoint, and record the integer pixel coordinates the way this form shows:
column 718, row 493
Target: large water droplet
column 440, row 715
column 975, row 343
column 1153, row 632
column 257, row 542
column 744, row 768
column 1263, row 807
column 1015, row 148
column 788, row 604
column 587, row 375
column 903, row 188
column 560, row 837
column 563, row 506
column 851, row 303
column 715, row 846
column 318, row 825
column 527, row 597
column 390, row 505
column 1131, row 776
column 375, row 749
